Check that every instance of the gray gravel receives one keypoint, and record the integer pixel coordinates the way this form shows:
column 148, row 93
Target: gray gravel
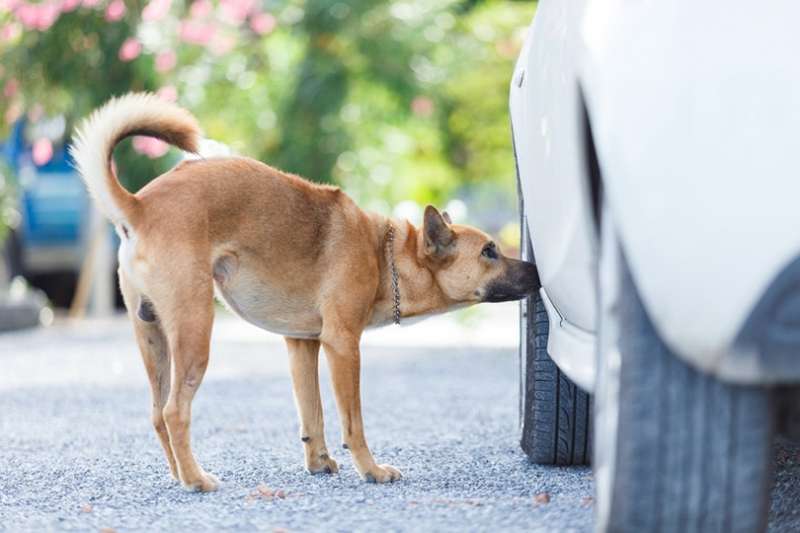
column 77, row 451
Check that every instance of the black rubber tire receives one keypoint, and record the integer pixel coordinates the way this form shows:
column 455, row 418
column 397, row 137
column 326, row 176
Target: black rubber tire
column 12, row 255
column 692, row 453
column 555, row 414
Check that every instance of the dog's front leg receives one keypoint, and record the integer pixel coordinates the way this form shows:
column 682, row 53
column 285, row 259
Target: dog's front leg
column 304, row 365
column 344, row 360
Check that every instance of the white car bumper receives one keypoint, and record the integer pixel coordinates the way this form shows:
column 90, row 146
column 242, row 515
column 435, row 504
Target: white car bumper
column 572, row 348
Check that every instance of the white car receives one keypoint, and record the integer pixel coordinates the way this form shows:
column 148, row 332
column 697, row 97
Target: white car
column 657, row 147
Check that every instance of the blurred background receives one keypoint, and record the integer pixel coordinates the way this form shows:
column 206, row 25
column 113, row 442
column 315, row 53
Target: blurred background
column 401, row 103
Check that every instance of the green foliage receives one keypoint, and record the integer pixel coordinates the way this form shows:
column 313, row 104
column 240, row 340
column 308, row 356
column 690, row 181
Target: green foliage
column 394, row 100
column 8, row 213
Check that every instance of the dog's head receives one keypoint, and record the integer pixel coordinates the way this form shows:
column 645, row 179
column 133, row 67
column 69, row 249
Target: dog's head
column 469, row 266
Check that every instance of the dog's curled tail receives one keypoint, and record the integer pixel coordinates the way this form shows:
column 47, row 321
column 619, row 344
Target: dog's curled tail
column 96, row 137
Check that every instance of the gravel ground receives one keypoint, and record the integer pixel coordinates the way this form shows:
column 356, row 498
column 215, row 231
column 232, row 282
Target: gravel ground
column 77, row 451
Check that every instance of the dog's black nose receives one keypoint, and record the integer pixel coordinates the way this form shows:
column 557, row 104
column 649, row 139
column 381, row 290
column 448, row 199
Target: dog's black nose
column 520, row 280
column 529, row 277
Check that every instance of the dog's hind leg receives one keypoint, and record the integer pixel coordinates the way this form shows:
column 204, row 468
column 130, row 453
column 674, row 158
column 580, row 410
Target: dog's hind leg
column 188, row 315
column 303, row 362
column 155, row 355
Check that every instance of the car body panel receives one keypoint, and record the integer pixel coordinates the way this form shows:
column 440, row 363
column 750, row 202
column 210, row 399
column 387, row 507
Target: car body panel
column 696, row 133
column 53, row 205
column 572, row 348
column 546, row 120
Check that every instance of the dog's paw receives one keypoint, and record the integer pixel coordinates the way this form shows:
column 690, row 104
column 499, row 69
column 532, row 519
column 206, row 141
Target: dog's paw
column 204, row 483
column 323, row 464
column 381, row 474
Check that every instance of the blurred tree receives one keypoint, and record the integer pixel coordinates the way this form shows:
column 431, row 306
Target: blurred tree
column 72, row 68
column 8, row 213
column 393, row 99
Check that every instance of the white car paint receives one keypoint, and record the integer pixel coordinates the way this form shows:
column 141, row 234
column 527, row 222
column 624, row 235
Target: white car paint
column 546, row 122
column 572, row 348
column 695, row 108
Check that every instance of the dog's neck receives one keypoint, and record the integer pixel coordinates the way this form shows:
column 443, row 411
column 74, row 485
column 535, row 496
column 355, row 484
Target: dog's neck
column 420, row 294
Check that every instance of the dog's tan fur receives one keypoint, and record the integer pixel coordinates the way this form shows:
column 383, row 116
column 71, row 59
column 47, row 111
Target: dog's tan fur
column 290, row 256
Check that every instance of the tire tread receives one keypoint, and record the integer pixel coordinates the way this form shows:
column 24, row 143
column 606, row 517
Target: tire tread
column 693, row 453
column 556, row 413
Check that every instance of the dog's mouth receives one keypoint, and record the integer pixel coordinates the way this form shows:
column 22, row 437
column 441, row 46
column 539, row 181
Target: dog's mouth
column 521, row 280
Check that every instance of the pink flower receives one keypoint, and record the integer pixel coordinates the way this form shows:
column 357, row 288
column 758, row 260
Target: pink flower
column 115, row 10
column 222, row 44
column 262, row 23
column 236, row 11
column 91, row 3
column 9, row 32
column 47, row 15
column 194, row 32
column 28, row 15
column 165, row 61
column 8, row 5
column 168, row 93
column 130, row 49
column 150, row 146
column 422, row 106
column 42, row 151
column 156, row 10
column 13, row 113
column 11, row 88
column 201, row 8
column 69, row 5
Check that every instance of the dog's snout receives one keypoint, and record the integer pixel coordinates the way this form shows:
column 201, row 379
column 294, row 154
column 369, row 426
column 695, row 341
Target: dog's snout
column 529, row 277
column 520, row 280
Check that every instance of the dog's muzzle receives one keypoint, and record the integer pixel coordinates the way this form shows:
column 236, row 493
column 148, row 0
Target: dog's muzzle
column 521, row 279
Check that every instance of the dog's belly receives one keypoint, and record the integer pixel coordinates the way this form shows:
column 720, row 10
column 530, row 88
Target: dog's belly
column 267, row 306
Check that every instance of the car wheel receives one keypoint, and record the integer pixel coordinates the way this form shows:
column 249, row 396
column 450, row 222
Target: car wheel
column 675, row 449
column 555, row 414
column 12, row 255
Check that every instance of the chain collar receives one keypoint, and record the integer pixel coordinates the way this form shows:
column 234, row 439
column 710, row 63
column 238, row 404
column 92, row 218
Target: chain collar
column 395, row 276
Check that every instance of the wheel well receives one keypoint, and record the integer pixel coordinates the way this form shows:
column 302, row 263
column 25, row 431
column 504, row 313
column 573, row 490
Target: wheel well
column 591, row 163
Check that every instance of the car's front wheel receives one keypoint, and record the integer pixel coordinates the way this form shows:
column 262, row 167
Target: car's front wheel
column 555, row 414
column 675, row 449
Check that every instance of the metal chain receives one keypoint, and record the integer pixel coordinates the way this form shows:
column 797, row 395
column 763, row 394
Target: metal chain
column 395, row 276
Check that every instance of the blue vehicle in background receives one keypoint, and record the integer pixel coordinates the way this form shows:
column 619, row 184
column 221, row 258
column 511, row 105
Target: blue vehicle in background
column 48, row 245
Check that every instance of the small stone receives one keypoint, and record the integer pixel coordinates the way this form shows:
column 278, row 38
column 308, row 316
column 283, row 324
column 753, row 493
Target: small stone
column 86, row 508
column 542, row 498
column 264, row 491
column 280, row 494
column 587, row 501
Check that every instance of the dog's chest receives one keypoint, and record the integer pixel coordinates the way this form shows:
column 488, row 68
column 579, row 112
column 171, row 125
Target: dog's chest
column 266, row 304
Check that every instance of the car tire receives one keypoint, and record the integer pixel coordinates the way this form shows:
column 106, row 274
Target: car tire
column 555, row 414
column 12, row 255
column 675, row 449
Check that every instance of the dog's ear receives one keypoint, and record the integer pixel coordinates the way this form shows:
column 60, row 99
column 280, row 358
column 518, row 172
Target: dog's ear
column 438, row 235
column 446, row 217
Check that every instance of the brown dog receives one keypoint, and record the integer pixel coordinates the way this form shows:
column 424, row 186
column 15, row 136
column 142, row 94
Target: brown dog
column 287, row 255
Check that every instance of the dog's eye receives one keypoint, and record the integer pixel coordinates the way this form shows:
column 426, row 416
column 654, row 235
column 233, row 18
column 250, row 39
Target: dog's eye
column 490, row 251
